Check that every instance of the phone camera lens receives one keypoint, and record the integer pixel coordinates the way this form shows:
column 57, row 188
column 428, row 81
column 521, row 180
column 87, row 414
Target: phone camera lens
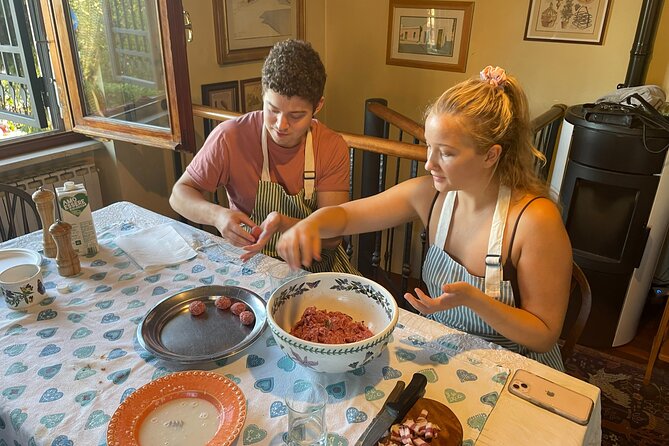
column 523, row 385
column 515, row 385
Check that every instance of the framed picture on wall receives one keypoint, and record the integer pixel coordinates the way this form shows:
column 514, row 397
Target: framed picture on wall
column 246, row 30
column 575, row 21
column 251, row 94
column 429, row 34
column 223, row 95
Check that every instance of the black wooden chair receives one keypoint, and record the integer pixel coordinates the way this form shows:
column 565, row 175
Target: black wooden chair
column 660, row 347
column 580, row 301
column 18, row 213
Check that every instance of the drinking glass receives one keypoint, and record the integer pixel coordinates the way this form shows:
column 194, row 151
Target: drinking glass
column 306, row 414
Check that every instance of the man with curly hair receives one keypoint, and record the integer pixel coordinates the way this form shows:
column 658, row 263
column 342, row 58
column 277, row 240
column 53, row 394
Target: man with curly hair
column 277, row 165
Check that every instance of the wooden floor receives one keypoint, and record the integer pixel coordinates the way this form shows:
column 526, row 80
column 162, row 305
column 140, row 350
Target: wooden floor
column 638, row 349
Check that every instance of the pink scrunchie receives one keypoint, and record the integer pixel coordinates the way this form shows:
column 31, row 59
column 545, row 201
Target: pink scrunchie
column 494, row 76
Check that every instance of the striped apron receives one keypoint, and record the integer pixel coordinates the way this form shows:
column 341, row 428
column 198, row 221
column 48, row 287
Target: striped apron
column 440, row 268
column 273, row 197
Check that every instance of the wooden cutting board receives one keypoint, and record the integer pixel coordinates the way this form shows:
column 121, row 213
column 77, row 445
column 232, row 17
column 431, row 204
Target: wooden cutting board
column 438, row 413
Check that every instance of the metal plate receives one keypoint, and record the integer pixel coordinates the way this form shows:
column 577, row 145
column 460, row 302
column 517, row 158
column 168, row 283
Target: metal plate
column 169, row 332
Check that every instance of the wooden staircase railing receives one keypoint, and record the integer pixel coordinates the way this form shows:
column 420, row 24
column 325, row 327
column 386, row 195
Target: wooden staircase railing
column 546, row 129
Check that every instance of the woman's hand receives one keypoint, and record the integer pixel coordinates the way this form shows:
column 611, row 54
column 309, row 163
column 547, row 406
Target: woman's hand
column 455, row 294
column 262, row 234
column 300, row 244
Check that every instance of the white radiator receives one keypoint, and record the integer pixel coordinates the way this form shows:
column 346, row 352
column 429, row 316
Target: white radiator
column 86, row 174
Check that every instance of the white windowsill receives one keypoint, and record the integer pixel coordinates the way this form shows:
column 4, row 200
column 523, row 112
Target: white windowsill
column 58, row 152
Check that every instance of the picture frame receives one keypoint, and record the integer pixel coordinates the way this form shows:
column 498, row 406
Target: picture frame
column 574, row 21
column 223, row 95
column 245, row 31
column 429, row 34
column 251, row 94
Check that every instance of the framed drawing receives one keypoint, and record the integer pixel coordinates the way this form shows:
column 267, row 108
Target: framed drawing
column 251, row 94
column 576, row 21
column 429, row 34
column 223, row 95
column 246, row 30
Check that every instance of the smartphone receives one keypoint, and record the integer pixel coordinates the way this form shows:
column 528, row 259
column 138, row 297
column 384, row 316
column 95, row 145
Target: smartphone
column 550, row 396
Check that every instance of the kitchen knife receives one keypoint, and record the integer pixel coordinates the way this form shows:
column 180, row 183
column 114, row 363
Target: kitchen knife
column 393, row 397
column 393, row 412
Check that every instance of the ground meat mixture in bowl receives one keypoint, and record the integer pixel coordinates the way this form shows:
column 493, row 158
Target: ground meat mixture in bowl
column 329, row 327
column 332, row 322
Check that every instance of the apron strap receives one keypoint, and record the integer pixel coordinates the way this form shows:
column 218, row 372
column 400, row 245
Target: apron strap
column 309, row 170
column 493, row 261
column 264, row 176
column 445, row 219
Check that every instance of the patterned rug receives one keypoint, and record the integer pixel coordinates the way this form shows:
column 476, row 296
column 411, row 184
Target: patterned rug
column 632, row 414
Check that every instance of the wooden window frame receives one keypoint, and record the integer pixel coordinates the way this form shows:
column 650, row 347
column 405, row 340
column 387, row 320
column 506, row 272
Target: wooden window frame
column 39, row 141
column 180, row 136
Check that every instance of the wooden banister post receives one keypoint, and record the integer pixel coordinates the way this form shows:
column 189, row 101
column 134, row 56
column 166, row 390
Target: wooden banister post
column 369, row 243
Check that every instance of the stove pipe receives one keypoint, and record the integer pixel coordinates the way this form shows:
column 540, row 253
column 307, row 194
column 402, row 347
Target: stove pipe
column 643, row 43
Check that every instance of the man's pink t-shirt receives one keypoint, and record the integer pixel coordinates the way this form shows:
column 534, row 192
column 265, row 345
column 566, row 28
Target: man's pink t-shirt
column 232, row 157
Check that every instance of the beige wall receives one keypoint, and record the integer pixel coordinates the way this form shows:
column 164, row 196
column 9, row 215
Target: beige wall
column 551, row 72
column 351, row 37
column 202, row 65
column 658, row 71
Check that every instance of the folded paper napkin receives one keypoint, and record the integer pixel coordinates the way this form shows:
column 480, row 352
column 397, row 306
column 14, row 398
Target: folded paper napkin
column 157, row 247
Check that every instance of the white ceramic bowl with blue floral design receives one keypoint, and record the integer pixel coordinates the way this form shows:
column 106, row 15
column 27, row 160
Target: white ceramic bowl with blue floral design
column 358, row 297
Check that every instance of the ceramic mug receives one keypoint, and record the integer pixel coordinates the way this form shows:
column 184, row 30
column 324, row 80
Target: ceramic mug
column 22, row 286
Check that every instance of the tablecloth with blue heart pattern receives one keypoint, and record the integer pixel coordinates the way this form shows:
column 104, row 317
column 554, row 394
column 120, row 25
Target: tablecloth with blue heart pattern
column 69, row 362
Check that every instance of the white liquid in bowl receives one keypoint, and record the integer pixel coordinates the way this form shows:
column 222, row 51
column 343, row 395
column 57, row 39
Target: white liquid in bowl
column 182, row 421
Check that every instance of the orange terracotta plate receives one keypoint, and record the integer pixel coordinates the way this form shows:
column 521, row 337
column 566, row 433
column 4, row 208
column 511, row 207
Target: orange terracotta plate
column 221, row 392
column 437, row 413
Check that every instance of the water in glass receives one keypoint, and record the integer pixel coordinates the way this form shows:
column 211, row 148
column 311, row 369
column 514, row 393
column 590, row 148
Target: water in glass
column 306, row 415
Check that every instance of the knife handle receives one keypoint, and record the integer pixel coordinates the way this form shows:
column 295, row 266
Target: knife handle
column 412, row 393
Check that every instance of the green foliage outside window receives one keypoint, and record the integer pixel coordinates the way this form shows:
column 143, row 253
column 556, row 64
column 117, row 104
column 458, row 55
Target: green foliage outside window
column 106, row 91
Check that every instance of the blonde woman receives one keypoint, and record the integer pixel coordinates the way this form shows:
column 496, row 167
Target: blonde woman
column 499, row 258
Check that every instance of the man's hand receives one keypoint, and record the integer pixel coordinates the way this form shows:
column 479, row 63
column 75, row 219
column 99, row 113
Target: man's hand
column 229, row 224
column 262, row 234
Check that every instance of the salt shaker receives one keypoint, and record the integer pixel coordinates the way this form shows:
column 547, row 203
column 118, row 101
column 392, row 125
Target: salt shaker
column 43, row 198
column 67, row 259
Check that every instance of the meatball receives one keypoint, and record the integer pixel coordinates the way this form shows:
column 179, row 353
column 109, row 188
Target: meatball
column 237, row 308
column 197, row 307
column 223, row 302
column 247, row 317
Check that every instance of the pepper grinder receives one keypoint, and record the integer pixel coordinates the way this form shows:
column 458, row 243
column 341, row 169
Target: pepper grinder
column 43, row 198
column 67, row 259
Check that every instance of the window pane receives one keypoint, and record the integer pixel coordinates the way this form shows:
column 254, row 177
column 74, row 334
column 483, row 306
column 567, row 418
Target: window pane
column 11, row 32
column 19, row 65
column 25, row 90
column 120, row 60
column 4, row 18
